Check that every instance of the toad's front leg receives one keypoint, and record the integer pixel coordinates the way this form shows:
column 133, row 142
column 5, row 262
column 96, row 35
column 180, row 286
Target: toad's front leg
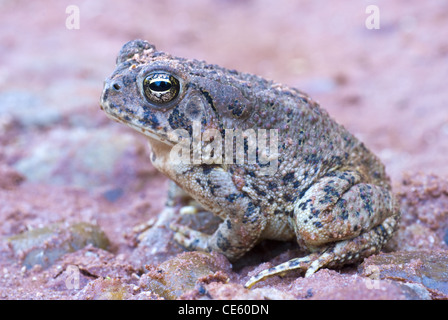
column 235, row 236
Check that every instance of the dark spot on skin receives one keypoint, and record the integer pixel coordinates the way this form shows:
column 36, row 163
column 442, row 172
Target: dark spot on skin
column 190, row 170
column 258, row 191
column 376, row 175
column 301, row 139
column 289, row 213
column 366, row 199
column 129, row 80
column 342, row 203
column 149, row 119
column 313, row 159
column 194, row 110
column 251, row 173
column 336, row 161
column 295, row 263
column 250, row 209
column 302, row 192
column 277, row 211
column 315, row 212
column 246, row 146
column 212, row 186
column 250, row 214
column 288, row 198
column 189, row 84
column 383, row 231
column 113, row 105
column 229, row 225
column 104, row 98
column 208, row 98
column 130, row 111
column 304, row 205
column 236, row 108
column 207, row 169
column 232, row 197
column 272, row 185
column 193, row 245
column 222, row 242
column 330, row 193
column 296, row 184
column 288, row 177
column 262, row 165
column 204, row 121
column 178, row 120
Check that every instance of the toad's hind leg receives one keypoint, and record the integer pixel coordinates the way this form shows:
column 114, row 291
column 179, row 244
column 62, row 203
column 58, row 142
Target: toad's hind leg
column 342, row 220
column 336, row 254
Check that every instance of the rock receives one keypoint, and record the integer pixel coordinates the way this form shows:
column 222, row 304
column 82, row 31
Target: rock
column 234, row 291
column 176, row 276
column 74, row 270
column 10, row 178
column 21, row 105
column 424, row 204
column 156, row 244
column 105, row 289
column 45, row 245
column 425, row 268
column 81, row 157
column 328, row 284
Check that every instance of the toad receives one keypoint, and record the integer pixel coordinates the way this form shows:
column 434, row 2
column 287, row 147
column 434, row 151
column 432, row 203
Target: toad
column 324, row 188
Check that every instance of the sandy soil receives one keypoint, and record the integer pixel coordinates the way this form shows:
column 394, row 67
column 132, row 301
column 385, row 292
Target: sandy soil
column 62, row 161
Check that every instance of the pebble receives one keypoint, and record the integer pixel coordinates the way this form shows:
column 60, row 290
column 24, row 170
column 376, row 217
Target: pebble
column 43, row 246
column 180, row 274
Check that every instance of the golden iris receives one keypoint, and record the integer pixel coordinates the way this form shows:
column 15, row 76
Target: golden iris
column 161, row 87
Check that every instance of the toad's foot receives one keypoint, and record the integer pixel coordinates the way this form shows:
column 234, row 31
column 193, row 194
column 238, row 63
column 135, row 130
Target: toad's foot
column 139, row 232
column 189, row 238
column 337, row 254
column 178, row 202
column 297, row 263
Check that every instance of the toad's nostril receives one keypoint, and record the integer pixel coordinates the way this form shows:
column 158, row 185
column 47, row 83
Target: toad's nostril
column 116, row 86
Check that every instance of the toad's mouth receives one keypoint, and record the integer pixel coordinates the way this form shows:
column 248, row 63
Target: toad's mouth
column 124, row 118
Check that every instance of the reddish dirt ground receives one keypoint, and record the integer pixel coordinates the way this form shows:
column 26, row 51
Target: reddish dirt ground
column 63, row 161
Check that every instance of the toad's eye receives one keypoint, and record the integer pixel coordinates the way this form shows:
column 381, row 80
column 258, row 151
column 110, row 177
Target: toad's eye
column 160, row 87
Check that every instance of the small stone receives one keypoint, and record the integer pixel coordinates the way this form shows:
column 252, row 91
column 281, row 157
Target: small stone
column 178, row 275
column 43, row 246
column 105, row 289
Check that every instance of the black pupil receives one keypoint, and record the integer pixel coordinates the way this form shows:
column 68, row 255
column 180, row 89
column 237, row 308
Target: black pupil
column 160, row 85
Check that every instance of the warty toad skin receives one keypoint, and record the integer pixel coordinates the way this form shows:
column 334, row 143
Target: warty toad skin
column 328, row 191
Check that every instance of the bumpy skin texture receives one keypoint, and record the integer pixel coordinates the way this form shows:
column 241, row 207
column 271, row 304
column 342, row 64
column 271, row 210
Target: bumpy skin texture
column 329, row 191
